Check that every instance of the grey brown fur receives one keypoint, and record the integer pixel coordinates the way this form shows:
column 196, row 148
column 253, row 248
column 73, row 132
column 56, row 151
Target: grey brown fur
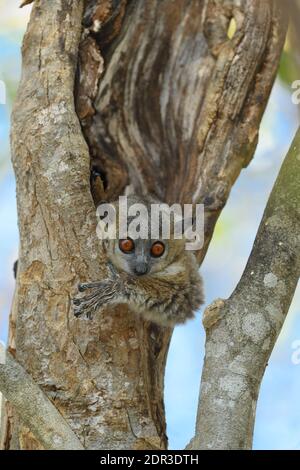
column 166, row 290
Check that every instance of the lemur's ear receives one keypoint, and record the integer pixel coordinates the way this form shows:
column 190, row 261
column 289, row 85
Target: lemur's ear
column 106, row 227
column 100, row 215
column 98, row 183
column 183, row 223
column 129, row 190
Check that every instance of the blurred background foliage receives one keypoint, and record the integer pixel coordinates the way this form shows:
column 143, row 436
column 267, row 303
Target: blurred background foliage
column 278, row 414
column 289, row 69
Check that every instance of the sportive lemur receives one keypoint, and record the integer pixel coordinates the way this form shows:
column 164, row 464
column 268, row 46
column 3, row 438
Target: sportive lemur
column 157, row 278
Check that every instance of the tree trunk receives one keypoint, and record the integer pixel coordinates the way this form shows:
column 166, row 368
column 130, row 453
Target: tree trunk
column 169, row 96
column 241, row 331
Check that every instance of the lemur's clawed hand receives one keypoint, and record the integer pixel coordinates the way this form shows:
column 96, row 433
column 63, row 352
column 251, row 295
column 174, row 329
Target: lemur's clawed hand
column 102, row 293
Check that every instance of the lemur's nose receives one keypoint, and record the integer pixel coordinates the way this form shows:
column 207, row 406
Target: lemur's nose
column 141, row 268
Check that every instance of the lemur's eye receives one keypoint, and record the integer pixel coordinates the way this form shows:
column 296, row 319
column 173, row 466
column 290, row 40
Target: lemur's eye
column 126, row 245
column 157, row 249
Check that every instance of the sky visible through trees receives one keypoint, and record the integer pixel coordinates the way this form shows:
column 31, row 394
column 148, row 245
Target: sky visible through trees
column 278, row 407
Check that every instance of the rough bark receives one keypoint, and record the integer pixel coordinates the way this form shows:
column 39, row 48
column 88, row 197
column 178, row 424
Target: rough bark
column 185, row 105
column 177, row 114
column 241, row 331
column 37, row 412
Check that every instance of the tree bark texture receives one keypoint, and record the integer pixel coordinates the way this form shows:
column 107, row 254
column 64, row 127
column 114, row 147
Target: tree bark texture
column 168, row 102
column 241, row 331
column 37, row 411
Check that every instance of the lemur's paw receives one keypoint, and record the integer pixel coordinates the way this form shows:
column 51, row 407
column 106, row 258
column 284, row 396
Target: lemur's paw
column 102, row 293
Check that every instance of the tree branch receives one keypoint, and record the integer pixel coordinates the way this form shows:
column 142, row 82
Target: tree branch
column 177, row 116
column 36, row 410
column 241, row 331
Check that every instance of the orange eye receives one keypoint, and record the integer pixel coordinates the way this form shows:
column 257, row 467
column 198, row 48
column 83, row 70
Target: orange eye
column 127, row 245
column 157, row 249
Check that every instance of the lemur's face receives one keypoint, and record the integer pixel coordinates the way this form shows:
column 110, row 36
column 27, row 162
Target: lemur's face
column 140, row 256
column 144, row 257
